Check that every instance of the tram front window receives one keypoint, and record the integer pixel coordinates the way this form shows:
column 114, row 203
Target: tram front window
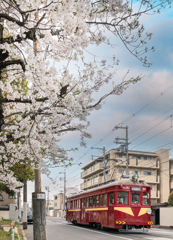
column 135, row 198
column 122, row 197
column 145, row 199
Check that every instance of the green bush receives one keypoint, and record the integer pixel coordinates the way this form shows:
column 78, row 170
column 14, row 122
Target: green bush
column 170, row 199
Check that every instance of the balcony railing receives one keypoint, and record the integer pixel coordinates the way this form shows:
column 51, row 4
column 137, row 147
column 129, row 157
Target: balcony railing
column 150, row 178
column 92, row 170
column 155, row 194
column 140, row 163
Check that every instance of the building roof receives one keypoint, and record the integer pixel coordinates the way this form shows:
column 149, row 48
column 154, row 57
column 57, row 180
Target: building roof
column 130, row 151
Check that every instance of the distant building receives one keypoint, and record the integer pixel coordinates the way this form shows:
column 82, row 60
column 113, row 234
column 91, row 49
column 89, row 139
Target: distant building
column 5, row 198
column 155, row 168
column 58, row 203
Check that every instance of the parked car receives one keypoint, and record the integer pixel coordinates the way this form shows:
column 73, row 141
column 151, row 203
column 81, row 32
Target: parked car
column 29, row 216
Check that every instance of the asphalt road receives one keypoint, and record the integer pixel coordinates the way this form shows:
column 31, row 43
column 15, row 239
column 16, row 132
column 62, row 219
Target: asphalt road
column 59, row 229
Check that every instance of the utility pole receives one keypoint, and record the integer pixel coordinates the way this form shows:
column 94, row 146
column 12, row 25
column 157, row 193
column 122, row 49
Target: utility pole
column 38, row 197
column 64, row 189
column 47, row 188
column 104, row 162
column 124, row 146
column 25, row 204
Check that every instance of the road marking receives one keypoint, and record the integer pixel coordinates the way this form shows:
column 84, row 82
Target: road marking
column 100, row 232
column 158, row 238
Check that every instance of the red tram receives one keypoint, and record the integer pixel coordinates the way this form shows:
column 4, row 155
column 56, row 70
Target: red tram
column 123, row 204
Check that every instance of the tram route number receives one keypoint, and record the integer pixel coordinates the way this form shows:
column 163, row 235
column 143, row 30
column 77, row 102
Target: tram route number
column 120, row 222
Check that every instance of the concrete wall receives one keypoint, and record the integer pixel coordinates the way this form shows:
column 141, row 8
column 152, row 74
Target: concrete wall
column 13, row 213
column 4, row 214
column 166, row 216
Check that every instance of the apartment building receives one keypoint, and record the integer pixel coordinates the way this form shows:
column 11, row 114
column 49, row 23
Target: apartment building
column 155, row 168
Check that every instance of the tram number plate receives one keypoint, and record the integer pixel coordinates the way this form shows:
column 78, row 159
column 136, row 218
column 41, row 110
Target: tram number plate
column 136, row 189
column 120, row 222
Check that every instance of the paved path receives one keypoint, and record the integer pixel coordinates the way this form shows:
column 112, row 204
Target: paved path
column 59, row 229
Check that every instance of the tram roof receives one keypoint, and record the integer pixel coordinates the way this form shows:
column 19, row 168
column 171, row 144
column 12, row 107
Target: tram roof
column 117, row 182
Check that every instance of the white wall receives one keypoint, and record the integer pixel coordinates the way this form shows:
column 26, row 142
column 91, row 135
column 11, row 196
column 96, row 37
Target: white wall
column 166, row 216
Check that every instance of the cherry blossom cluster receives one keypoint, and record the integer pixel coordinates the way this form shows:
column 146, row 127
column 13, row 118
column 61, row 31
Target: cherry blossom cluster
column 42, row 98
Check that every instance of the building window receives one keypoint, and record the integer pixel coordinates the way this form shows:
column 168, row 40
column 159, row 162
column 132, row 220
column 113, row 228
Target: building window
column 55, row 204
column 147, row 173
column 121, row 156
column 121, row 171
column 55, row 197
column 1, row 197
column 147, row 158
column 136, row 157
column 12, row 196
column 137, row 172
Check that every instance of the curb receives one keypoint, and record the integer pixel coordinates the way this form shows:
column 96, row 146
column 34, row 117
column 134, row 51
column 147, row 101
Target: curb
column 23, row 233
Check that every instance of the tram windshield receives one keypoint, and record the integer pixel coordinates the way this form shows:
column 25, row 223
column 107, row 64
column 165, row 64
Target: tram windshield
column 122, row 197
column 145, row 198
column 135, row 198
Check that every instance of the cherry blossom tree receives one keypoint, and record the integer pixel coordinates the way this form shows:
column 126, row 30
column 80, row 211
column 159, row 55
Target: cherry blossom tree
column 40, row 102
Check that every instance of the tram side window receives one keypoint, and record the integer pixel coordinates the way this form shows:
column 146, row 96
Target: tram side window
column 87, row 202
column 93, row 201
column 71, row 205
column 97, row 200
column 145, row 198
column 105, row 199
column 79, row 203
column 84, row 202
column 101, row 200
column 135, row 198
column 111, row 199
column 122, row 197
column 90, row 201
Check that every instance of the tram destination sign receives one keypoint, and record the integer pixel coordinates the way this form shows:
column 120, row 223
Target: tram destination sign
column 136, row 189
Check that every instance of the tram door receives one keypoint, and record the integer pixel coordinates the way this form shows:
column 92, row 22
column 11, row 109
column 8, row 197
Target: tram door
column 111, row 215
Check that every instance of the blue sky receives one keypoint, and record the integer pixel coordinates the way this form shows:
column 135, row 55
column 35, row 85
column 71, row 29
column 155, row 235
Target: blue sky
column 147, row 104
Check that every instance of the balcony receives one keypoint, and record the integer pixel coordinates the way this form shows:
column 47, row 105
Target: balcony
column 94, row 182
column 171, row 171
column 171, row 185
column 150, row 179
column 92, row 170
column 155, row 194
column 140, row 163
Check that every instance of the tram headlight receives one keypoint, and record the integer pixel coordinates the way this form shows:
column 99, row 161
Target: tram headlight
column 135, row 177
column 149, row 211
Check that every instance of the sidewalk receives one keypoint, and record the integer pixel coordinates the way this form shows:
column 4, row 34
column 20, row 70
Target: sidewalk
column 29, row 231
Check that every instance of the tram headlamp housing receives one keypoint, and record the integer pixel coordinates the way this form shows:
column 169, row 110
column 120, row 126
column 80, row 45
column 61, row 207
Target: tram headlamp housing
column 135, row 177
